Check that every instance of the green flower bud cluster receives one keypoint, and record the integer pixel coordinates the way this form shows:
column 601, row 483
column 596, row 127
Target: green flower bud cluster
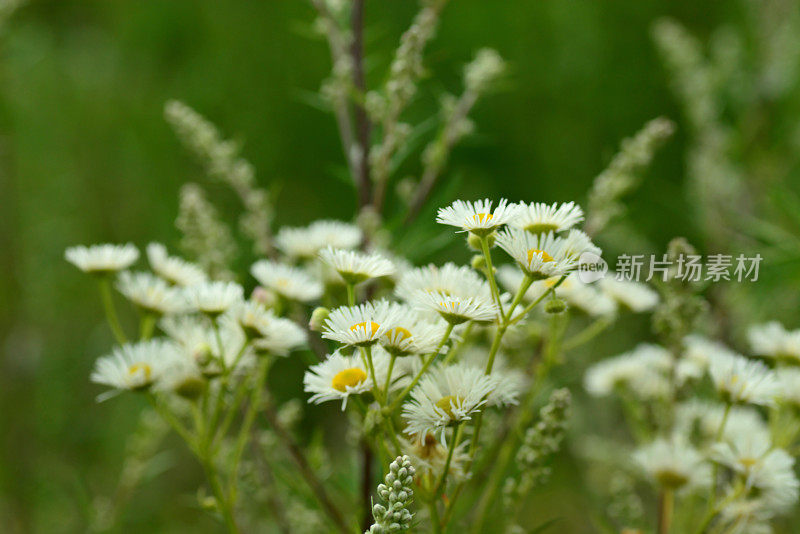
column 397, row 492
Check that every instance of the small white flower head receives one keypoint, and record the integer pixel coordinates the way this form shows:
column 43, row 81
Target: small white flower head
column 306, row 242
column 703, row 419
column 182, row 377
column 200, row 341
column 150, row 293
column 102, row 259
column 541, row 218
column 340, row 376
column 698, row 351
column 511, row 382
column 429, row 456
column 456, row 310
column 173, row 269
column 214, row 298
column 544, row 256
column 361, row 325
column 449, row 279
column 746, row 516
column 477, row 217
column 774, row 341
column 253, row 317
column 446, row 395
column 673, row 464
column 412, row 332
column 291, row 283
column 135, row 366
column 635, row 296
column 740, row 380
column 643, row 371
column 356, row 267
column 280, row 336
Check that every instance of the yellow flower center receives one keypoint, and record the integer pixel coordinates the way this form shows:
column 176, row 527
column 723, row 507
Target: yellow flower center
column 142, row 368
column 282, row 282
column 535, row 252
column 480, row 218
column 348, row 378
column 398, row 334
column 373, row 326
column 747, row 463
column 446, row 404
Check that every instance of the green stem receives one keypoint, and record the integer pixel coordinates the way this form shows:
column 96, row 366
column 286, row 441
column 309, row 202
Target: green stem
column 523, row 289
column 666, row 503
column 533, row 304
column 366, row 353
column 219, row 495
column 351, row 294
column 437, row 526
column 588, row 333
column 712, row 497
column 457, row 349
column 389, row 376
column 490, row 275
column 146, row 326
column 450, row 451
column 111, row 312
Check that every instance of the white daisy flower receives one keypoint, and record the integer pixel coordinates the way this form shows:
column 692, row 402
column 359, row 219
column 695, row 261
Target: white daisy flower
column 182, row 377
column 774, row 341
column 173, row 269
column 306, row 242
column 102, row 259
column 644, row 371
column 253, row 317
column 135, row 366
column 703, row 418
column 740, row 380
column 361, row 325
column 673, row 464
column 340, row 376
column 511, row 382
column 150, row 293
column 443, row 396
column 635, row 296
column 477, row 217
column 355, row 267
column 291, row 283
column 429, row 456
column 449, row 279
column 280, row 336
column 201, row 341
column 413, row 333
column 214, row 298
column 456, row 310
column 544, row 256
column 541, row 218
column 697, row 353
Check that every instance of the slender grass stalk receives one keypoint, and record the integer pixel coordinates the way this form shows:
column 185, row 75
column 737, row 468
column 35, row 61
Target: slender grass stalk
column 104, row 282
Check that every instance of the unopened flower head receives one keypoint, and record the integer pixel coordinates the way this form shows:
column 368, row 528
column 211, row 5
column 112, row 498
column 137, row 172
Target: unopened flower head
column 456, row 310
column 361, row 325
column 214, row 298
column 291, row 283
column 541, row 218
column 673, row 464
column 102, row 259
column 740, row 380
column 151, row 294
column 444, row 396
column 397, row 491
column 173, row 269
column 340, row 376
column 356, row 267
column 774, row 341
column 635, row 296
column 135, row 366
column 477, row 217
column 307, row 242
column 543, row 256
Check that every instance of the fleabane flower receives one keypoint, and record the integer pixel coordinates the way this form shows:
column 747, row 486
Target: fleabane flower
column 456, row 310
column 340, row 376
column 643, row 371
column 740, row 380
column 361, row 325
column 135, row 366
column 150, row 293
column 543, row 256
column 201, row 342
column 444, row 396
column 214, row 298
column 774, row 341
column 673, row 464
column 280, row 336
column 511, row 381
column 412, row 333
column 356, row 267
column 477, row 217
column 635, row 296
column 306, row 242
column 541, row 218
column 183, row 377
column 173, row 269
column 291, row 283
column 449, row 279
column 102, row 259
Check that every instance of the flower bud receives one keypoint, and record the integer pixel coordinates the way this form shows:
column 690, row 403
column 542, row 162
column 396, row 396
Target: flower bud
column 555, row 306
column 318, row 318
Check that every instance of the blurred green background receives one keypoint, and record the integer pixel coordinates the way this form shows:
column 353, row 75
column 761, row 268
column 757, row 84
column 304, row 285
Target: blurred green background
column 86, row 157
